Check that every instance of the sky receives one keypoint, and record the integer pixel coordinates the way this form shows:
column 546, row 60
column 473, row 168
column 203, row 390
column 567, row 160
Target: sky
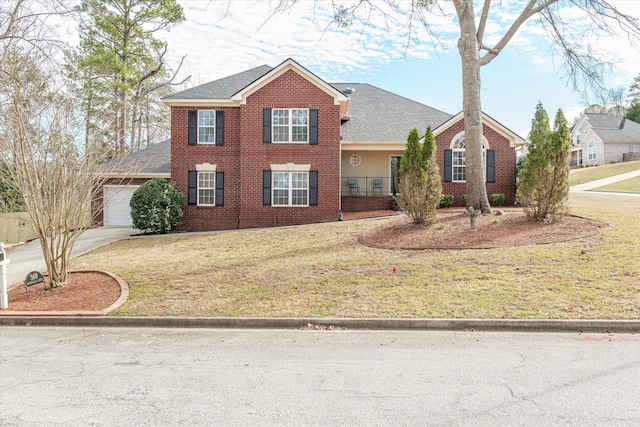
column 223, row 37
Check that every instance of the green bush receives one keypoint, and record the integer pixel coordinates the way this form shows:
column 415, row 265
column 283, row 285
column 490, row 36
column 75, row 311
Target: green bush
column 446, row 201
column 464, row 200
column 155, row 206
column 497, row 199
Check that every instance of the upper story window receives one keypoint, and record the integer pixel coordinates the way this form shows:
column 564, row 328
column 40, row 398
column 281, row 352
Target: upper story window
column 206, row 126
column 290, row 125
column 592, row 150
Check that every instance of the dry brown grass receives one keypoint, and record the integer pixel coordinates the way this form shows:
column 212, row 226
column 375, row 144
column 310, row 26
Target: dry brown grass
column 322, row 271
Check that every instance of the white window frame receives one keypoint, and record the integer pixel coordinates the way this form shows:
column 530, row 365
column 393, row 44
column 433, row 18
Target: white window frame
column 212, row 127
column 631, row 149
column 593, row 150
column 202, row 169
column 288, row 172
column 287, row 125
column 458, row 152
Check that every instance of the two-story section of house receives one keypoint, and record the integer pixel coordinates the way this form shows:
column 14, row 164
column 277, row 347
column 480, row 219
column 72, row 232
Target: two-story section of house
column 280, row 146
column 257, row 149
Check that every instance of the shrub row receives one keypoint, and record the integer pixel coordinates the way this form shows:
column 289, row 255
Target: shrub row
column 447, row 200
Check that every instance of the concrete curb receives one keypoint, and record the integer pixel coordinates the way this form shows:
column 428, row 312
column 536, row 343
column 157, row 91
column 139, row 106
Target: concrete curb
column 508, row 325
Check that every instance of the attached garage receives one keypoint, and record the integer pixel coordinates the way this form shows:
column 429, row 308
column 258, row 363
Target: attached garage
column 110, row 204
column 117, row 212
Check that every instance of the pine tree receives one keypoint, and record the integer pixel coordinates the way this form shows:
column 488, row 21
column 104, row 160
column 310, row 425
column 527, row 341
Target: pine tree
column 420, row 187
column 543, row 185
column 432, row 171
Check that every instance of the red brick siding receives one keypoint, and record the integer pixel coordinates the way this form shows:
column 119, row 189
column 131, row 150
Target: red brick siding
column 363, row 204
column 185, row 157
column 243, row 158
column 505, row 164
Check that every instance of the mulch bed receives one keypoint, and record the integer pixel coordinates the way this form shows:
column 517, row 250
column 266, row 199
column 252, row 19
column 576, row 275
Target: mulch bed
column 86, row 291
column 452, row 230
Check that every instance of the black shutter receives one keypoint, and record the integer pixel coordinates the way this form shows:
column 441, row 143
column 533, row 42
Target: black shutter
column 266, row 188
column 219, row 188
column 313, row 188
column 193, row 128
column 313, row 127
column 193, row 187
column 266, row 126
column 491, row 165
column 219, row 127
column 448, row 165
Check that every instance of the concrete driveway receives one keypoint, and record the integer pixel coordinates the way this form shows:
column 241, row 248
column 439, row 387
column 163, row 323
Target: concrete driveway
column 28, row 257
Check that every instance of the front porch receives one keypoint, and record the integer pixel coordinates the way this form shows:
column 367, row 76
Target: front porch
column 361, row 194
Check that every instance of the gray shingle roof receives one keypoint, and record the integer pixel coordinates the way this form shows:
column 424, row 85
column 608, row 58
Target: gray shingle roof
column 612, row 129
column 153, row 159
column 223, row 88
column 377, row 115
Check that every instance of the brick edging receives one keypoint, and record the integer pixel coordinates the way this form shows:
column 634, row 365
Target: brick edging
column 124, row 294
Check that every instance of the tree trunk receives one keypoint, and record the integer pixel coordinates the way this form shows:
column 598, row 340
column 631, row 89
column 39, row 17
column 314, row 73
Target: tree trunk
column 469, row 55
column 122, row 123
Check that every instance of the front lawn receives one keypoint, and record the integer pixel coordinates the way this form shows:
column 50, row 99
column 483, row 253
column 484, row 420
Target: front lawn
column 631, row 185
column 594, row 173
column 322, row 271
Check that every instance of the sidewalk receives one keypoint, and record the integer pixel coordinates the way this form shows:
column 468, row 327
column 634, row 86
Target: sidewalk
column 606, row 181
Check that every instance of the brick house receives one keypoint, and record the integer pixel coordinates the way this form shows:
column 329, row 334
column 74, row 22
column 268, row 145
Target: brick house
column 280, row 146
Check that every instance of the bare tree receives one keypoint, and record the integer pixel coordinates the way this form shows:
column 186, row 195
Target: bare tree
column 566, row 22
column 39, row 140
column 610, row 101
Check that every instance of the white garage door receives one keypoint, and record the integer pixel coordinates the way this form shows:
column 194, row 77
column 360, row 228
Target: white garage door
column 117, row 212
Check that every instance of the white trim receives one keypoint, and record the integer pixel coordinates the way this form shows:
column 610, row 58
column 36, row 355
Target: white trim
column 135, row 175
column 514, row 139
column 214, row 127
column 200, row 102
column 289, row 189
column 205, row 188
column 290, row 167
column 289, row 126
column 373, row 146
column 289, row 64
column 485, row 142
column 205, row 167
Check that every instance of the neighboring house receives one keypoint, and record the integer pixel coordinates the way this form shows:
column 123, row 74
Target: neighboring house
column 600, row 139
column 280, row 146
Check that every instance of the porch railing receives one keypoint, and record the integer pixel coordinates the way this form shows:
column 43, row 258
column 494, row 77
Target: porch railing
column 369, row 186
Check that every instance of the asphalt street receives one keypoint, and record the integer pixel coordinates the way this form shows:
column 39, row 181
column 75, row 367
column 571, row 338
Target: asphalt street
column 230, row 377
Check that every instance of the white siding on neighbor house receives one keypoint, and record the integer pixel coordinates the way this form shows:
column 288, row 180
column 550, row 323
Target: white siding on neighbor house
column 613, row 151
column 117, row 212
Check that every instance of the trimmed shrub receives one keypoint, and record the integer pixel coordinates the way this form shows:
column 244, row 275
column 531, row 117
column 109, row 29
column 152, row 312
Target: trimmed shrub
column 497, row 199
column 155, row 206
column 446, row 201
column 464, row 200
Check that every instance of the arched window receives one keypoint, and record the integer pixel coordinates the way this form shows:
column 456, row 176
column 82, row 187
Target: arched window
column 592, row 150
column 458, row 157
